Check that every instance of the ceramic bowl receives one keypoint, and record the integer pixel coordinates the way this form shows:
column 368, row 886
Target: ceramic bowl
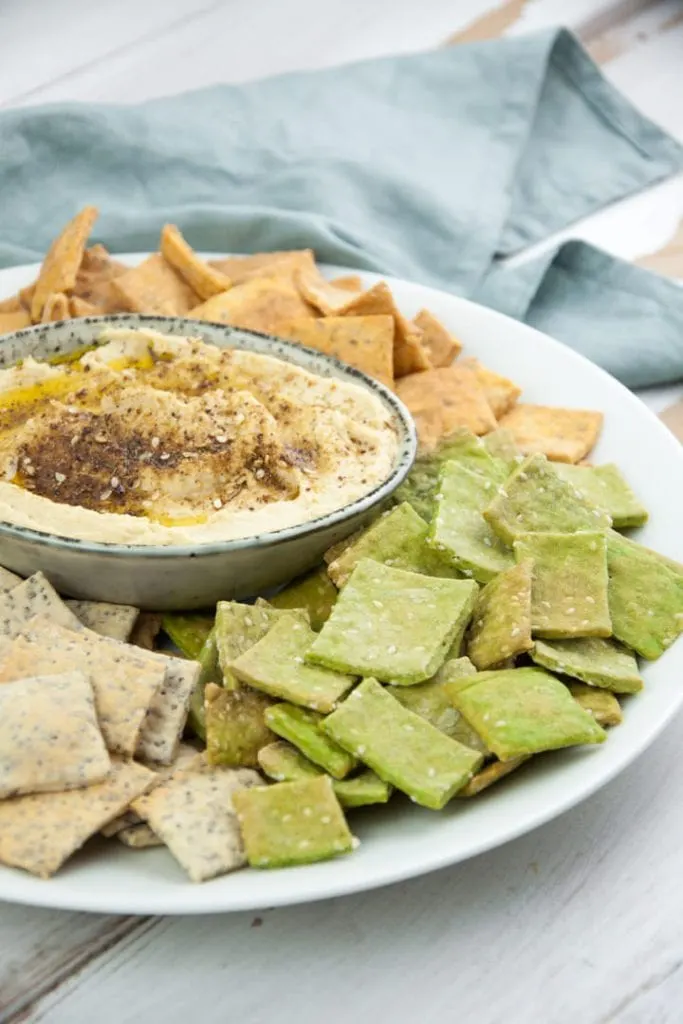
column 184, row 577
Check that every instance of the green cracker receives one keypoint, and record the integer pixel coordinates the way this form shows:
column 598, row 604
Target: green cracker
column 188, row 632
column 523, row 711
column 501, row 624
column 236, row 728
column 569, row 589
column 284, row 763
column 276, row 666
column 402, row 748
column 395, row 625
column 459, row 531
column 314, row 594
column 240, row 626
column 292, row 823
column 645, row 597
column 601, row 704
column 422, row 483
column 431, row 701
column 535, row 500
column 209, row 672
column 605, row 487
column 398, row 538
column 595, row 660
column 501, row 445
column 490, row 774
column 302, row 728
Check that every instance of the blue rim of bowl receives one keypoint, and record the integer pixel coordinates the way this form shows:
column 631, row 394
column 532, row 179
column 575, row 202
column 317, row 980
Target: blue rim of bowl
column 404, row 461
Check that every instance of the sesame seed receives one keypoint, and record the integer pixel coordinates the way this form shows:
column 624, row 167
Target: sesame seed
column 259, row 474
column 325, row 820
column 286, row 817
column 155, row 442
column 360, row 750
column 164, row 456
column 501, row 721
column 303, row 843
column 27, row 461
column 298, row 659
column 239, row 417
column 355, row 843
column 217, row 503
column 488, row 542
column 570, row 611
column 391, row 649
column 221, row 438
column 515, row 631
column 60, row 478
column 248, row 621
column 431, row 772
column 101, row 438
column 31, row 470
column 590, row 600
column 585, row 622
column 115, row 481
column 105, row 495
column 307, row 812
column 409, row 728
column 378, row 604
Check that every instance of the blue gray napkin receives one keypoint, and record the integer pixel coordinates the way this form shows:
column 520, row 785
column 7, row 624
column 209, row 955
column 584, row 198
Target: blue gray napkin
column 429, row 167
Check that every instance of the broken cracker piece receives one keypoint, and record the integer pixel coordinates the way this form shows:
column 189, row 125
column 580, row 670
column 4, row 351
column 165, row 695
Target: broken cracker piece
column 165, row 720
column 188, row 631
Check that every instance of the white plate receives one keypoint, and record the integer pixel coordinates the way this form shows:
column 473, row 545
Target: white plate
column 402, row 840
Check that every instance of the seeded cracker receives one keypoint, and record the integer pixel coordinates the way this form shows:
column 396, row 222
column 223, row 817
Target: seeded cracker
column 189, row 631
column 432, row 702
column 34, row 596
column 605, row 487
column 292, row 823
column 40, row 832
column 203, row 279
column 60, row 266
column 393, row 624
column 489, row 775
column 645, row 597
column 402, row 748
column 500, row 444
column 315, row 594
column 501, row 393
column 49, row 736
column 167, row 713
column 192, row 813
column 600, row 662
column 185, row 756
column 8, row 580
column 276, row 666
column 259, row 305
column 284, row 763
column 459, row 531
column 154, row 286
column 113, row 620
column 235, row 726
column 569, row 589
column 138, row 837
column 302, row 729
column 535, row 500
column 564, row 435
column 523, row 711
column 362, row 790
column 124, row 680
column 441, row 346
column 501, row 624
column 366, row 342
column 601, row 704
column 442, row 400
column 239, row 627
column 398, row 538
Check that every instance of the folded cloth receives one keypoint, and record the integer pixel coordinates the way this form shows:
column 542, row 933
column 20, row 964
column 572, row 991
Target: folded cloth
column 429, row 167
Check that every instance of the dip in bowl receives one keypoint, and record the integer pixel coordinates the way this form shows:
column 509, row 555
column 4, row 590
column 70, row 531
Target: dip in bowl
column 169, row 463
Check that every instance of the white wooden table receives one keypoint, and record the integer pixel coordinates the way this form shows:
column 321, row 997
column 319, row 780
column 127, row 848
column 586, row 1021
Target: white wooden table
column 580, row 922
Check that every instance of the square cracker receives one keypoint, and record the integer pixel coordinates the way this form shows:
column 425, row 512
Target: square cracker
column 167, row 713
column 31, row 597
column 154, row 286
column 192, row 813
column 410, row 355
column 563, row 435
column 116, row 621
column 186, row 754
column 124, row 679
column 501, row 624
column 41, row 831
column 365, row 342
column 8, row 580
column 49, row 736
column 260, row 304
column 500, row 392
column 444, row 399
column 441, row 346
column 60, row 266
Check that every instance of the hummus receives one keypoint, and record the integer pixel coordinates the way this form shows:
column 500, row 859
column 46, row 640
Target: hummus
column 152, row 439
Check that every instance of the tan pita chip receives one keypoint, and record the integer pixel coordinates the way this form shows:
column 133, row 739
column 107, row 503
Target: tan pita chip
column 410, row 356
column 565, row 435
column 49, row 736
column 442, row 347
column 14, row 321
column 123, row 678
column 192, row 814
column 40, row 832
column 500, row 392
column 165, row 719
column 138, row 837
column 321, row 293
column 350, row 283
column 154, row 286
column 262, row 264
column 126, row 820
column 490, row 774
column 93, row 283
column 443, row 400
column 79, row 307
column 60, row 267
column 259, row 305
column 147, row 629
column 56, row 308
column 26, row 296
column 366, row 342
column 8, row 580
column 202, row 278
column 116, row 621
column 11, row 305
column 32, row 597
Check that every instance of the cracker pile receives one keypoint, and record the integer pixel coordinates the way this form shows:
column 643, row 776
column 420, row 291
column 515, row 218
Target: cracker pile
column 284, row 293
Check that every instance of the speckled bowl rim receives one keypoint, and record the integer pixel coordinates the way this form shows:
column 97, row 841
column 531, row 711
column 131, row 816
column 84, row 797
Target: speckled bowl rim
column 278, row 348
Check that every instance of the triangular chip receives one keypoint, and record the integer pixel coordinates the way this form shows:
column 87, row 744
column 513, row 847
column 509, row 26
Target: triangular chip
column 320, row 293
column 365, row 342
column 154, row 286
column 444, row 399
column 598, row 661
column 203, row 279
column 349, row 283
column 263, row 264
column 563, row 435
column 93, row 283
column 410, row 356
column 261, row 304
column 40, row 832
column 605, row 487
column 501, row 393
column 441, row 346
column 569, row 589
column 60, row 266
column 523, row 711
column 501, row 623
column 535, row 500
